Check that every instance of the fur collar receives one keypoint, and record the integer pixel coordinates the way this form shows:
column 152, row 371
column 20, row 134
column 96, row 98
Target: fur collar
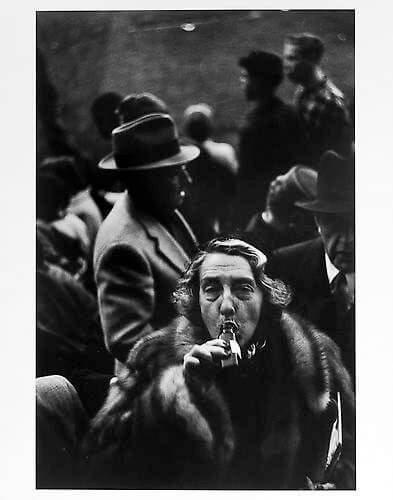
column 308, row 354
column 307, row 349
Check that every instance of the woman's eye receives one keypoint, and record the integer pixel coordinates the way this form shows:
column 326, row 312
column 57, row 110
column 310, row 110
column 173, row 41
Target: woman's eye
column 245, row 289
column 211, row 290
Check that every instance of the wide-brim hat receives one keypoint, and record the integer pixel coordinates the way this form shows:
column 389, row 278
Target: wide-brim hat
column 147, row 143
column 335, row 185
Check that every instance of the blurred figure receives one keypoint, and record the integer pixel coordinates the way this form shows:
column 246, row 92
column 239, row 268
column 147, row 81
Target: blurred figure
column 135, row 105
column 103, row 111
column 64, row 233
column 271, row 140
column 321, row 271
column 83, row 205
column 104, row 114
column 69, row 339
column 282, row 223
column 67, row 209
column 52, row 137
column 145, row 243
column 321, row 105
column 61, row 422
column 213, row 175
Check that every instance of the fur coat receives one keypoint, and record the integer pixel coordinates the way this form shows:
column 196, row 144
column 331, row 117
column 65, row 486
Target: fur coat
column 263, row 425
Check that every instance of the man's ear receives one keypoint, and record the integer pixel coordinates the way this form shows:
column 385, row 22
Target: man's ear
column 316, row 223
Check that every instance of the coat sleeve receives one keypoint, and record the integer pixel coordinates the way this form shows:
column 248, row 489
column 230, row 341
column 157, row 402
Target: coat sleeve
column 126, row 298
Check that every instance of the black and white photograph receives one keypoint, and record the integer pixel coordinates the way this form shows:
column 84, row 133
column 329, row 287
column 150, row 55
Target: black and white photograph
column 195, row 250
column 196, row 311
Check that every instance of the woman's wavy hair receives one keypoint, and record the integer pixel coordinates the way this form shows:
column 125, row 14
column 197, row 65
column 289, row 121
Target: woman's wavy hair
column 186, row 296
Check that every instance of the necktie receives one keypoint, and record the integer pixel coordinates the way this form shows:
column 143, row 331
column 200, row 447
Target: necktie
column 182, row 232
column 339, row 287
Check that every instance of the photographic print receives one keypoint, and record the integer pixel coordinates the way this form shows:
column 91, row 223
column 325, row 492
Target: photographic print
column 195, row 236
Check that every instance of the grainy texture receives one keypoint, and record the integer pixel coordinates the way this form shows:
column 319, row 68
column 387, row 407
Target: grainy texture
column 93, row 52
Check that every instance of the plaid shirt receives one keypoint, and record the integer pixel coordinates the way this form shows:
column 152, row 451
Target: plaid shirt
column 326, row 117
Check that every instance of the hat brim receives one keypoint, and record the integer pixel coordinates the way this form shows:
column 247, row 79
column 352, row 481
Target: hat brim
column 325, row 207
column 186, row 154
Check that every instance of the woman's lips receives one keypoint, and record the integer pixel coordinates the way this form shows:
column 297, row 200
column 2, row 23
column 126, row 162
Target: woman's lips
column 229, row 328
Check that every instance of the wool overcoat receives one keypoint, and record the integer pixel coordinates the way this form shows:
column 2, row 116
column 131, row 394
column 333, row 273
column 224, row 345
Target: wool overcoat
column 137, row 264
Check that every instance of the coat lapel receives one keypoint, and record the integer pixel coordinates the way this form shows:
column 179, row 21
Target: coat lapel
column 165, row 243
column 316, row 266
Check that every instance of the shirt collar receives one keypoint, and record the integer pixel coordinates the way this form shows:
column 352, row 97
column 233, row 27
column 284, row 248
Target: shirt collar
column 332, row 272
column 331, row 269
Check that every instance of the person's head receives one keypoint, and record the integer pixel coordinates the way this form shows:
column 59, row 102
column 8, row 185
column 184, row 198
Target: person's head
column 149, row 159
column 333, row 209
column 226, row 281
column 299, row 183
column 261, row 73
column 58, row 179
column 161, row 190
column 103, row 111
column 302, row 55
column 198, row 122
column 338, row 235
column 134, row 106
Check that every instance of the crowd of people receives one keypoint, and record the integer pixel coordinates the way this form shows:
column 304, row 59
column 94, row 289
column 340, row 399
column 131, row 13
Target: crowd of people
column 195, row 300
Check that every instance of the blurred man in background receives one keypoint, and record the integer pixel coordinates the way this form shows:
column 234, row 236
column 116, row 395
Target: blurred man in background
column 103, row 112
column 281, row 222
column 212, row 192
column 271, row 140
column 321, row 105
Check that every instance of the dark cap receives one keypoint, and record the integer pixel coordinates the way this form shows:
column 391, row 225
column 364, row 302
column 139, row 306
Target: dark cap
column 134, row 106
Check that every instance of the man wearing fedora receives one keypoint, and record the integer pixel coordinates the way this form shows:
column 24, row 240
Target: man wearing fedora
column 321, row 271
column 144, row 244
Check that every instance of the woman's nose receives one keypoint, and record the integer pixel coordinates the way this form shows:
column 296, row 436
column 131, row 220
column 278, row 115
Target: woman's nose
column 227, row 307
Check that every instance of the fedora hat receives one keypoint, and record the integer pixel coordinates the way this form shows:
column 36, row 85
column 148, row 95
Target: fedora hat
column 147, row 143
column 335, row 185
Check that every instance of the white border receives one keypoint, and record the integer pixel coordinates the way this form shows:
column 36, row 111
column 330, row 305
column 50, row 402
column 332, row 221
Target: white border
column 374, row 84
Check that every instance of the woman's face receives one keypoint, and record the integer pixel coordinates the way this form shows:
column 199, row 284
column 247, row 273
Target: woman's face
column 228, row 292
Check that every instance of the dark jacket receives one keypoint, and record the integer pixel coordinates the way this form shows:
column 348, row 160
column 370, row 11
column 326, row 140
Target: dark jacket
column 264, row 425
column 271, row 142
column 211, row 194
column 300, row 227
column 303, row 267
column 69, row 340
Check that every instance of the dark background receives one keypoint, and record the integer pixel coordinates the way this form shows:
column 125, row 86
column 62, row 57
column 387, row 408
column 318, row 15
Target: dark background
column 89, row 53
